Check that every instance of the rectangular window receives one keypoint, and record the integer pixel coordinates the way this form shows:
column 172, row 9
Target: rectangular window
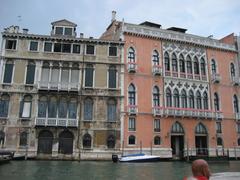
column 219, row 127
column 238, row 127
column 11, row 44
column 8, row 73
column 76, row 48
column 75, row 76
column 68, row 31
column 33, row 46
column 156, row 125
column 59, row 31
column 52, row 109
column 25, row 109
column 132, row 124
column 45, row 75
column 112, row 80
column 4, row 108
column 112, row 110
column 89, row 76
column 42, row 108
column 72, row 110
column 66, row 48
column 30, row 74
column 47, row 47
column 57, row 47
column 90, row 49
column 62, row 109
column 112, row 51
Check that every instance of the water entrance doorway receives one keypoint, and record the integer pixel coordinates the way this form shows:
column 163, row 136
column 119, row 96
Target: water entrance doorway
column 177, row 140
column 45, row 141
column 201, row 140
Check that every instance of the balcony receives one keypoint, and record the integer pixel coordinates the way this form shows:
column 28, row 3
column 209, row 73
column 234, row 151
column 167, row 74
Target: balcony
column 157, row 111
column 218, row 115
column 216, row 78
column 132, row 67
column 58, row 86
column 235, row 81
column 183, row 112
column 56, row 122
column 132, row 109
column 237, row 116
column 157, row 70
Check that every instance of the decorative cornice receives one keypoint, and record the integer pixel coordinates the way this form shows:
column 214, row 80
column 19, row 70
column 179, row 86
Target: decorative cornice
column 175, row 36
column 57, row 38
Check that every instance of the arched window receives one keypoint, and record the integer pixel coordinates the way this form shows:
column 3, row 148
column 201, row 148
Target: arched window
column 200, row 129
column 52, row 107
column 156, row 96
column 235, row 104
column 4, row 105
column 196, row 65
column 214, row 66
column 176, row 98
column 112, row 110
column 65, row 75
column 111, row 142
column 216, row 102
column 8, row 72
column 131, row 55
column 87, row 141
column 166, row 61
column 181, row 64
column 157, row 140
column 155, row 58
column 174, row 63
column 112, row 77
column 42, row 106
column 219, row 141
column 62, row 107
column 2, row 138
column 203, row 68
column 30, row 75
column 191, row 99
column 205, row 100
column 88, row 109
column 65, row 140
column 72, row 108
column 199, row 100
column 232, row 70
column 183, row 99
column 23, row 139
column 131, row 95
column 169, row 97
column 177, row 128
column 26, row 107
column 75, row 75
column 189, row 65
column 131, row 140
column 55, row 75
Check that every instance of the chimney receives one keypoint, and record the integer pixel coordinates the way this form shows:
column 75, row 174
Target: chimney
column 113, row 16
column 25, row 31
column 81, row 35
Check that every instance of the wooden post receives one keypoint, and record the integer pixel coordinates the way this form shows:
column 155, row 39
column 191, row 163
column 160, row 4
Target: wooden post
column 141, row 147
column 151, row 147
column 187, row 152
column 122, row 147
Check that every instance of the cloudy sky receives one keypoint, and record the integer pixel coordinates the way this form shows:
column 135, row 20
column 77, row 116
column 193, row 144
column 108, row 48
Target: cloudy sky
column 202, row 17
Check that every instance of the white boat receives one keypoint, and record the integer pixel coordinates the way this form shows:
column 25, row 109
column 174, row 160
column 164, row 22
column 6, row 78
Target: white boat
column 136, row 158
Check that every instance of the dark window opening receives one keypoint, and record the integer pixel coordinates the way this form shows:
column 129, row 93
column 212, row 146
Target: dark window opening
column 59, row 31
column 33, row 46
column 57, row 47
column 157, row 140
column 112, row 51
column 66, row 48
column 11, row 44
column 131, row 140
column 76, row 48
column 47, row 47
column 90, row 49
column 68, row 31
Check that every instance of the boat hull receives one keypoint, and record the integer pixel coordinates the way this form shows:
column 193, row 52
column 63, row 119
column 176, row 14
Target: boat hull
column 140, row 160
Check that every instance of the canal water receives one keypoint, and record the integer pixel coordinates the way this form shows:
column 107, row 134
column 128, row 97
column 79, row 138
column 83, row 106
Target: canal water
column 72, row 170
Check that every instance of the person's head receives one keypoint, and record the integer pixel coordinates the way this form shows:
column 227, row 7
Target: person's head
column 200, row 168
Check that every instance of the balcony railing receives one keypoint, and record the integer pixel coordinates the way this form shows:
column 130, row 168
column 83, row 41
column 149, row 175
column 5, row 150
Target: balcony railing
column 237, row 116
column 184, row 112
column 157, row 70
column 218, row 115
column 216, row 78
column 58, row 86
column 56, row 122
column 132, row 109
column 132, row 67
column 235, row 81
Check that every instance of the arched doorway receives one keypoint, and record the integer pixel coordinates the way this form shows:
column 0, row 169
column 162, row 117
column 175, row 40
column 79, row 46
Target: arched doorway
column 45, row 141
column 65, row 142
column 177, row 140
column 201, row 140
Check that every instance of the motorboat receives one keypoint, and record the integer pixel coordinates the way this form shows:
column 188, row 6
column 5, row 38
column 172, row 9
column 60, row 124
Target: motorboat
column 135, row 158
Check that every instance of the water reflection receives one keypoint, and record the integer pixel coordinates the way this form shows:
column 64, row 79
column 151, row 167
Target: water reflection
column 69, row 170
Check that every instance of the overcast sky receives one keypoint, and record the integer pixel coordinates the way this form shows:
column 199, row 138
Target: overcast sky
column 200, row 17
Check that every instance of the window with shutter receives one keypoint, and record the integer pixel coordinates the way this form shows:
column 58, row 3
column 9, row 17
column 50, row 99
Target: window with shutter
column 89, row 76
column 8, row 72
column 30, row 73
column 112, row 77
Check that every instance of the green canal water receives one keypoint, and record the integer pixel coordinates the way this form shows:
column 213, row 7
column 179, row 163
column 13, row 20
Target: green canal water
column 72, row 170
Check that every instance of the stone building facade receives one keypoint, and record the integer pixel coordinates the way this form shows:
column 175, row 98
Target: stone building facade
column 181, row 91
column 60, row 94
